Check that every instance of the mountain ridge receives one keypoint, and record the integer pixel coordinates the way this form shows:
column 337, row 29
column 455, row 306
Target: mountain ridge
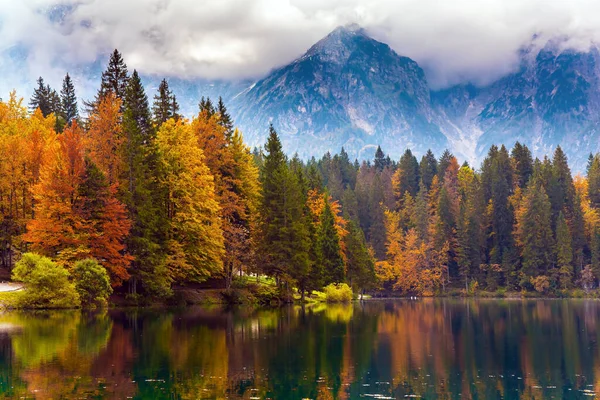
column 349, row 90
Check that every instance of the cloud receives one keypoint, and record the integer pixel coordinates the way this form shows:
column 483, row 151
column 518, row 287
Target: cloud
column 456, row 41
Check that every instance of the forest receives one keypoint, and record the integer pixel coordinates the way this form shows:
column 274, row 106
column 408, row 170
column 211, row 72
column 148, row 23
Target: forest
column 162, row 200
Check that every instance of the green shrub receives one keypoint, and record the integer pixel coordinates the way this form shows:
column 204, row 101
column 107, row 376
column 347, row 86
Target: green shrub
column 92, row 283
column 338, row 293
column 46, row 284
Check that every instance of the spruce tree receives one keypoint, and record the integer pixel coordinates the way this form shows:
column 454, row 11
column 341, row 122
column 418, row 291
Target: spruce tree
column 360, row 263
column 497, row 185
column 560, row 188
column 534, row 232
column 142, row 193
column 68, row 101
column 165, row 104
column 407, row 175
column 115, row 77
column 284, row 243
column 207, row 106
column 564, row 252
column 380, row 161
column 225, row 119
column 594, row 182
column 523, row 164
column 428, row 169
column 43, row 99
column 376, row 215
column 443, row 164
column 329, row 251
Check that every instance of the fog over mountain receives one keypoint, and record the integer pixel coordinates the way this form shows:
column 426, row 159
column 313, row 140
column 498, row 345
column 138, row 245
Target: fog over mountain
column 418, row 74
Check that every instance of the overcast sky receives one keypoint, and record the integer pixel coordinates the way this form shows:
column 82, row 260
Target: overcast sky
column 455, row 40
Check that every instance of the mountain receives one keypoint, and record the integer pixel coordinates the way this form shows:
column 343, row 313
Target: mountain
column 350, row 90
column 553, row 99
column 347, row 90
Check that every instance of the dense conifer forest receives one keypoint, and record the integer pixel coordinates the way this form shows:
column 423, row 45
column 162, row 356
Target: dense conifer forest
column 161, row 200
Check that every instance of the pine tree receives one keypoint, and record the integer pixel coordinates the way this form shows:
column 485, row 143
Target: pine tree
column 360, row 263
column 329, row 251
column 406, row 177
column 443, row 164
column 534, row 232
column 497, row 185
column 115, row 77
column 593, row 177
column 44, row 98
column 564, row 252
column 560, row 189
column 377, row 232
column 165, row 104
column 380, row 161
column 522, row 163
column 225, row 119
column 284, row 236
column 68, row 101
column 206, row 106
column 428, row 169
column 145, row 196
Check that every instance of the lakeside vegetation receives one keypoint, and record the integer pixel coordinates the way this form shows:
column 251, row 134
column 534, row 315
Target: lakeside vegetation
column 140, row 200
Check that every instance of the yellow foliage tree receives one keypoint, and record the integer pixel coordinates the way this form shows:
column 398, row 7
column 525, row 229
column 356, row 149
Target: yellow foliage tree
column 412, row 266
column 195, row 238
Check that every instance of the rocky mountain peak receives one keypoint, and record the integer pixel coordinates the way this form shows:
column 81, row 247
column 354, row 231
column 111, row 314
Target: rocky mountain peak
column 339, row 44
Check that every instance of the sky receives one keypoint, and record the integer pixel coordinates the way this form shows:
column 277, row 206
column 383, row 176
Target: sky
column 455, row 41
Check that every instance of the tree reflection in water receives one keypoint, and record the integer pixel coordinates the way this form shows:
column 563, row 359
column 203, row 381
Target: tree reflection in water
column 486, row 349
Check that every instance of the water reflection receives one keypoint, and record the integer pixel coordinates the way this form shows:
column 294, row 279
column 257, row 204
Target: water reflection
column 428, row 349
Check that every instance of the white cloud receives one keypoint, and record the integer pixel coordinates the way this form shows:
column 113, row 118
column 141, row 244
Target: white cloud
column 456, row 41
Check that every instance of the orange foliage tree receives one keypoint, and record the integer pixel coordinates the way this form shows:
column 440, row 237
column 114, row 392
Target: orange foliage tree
column 412, row 266
column 76, row 213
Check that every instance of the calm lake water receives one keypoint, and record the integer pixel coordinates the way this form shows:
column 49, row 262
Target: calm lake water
column 448, row 349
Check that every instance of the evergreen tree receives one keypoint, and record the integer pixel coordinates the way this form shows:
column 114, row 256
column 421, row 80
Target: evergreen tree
column 593, row 178
column 560, row 189
column 564, row 252
column 360, row 263
column 284, row 241
column 428, row 169
column 143, row 194
column 406, row 177
column 376, row 215
column 206, row 106
column 43, row 98
column 534, row 232
column 522, row 163
column 225, row 119
column 329, row 251
column 115, row 77
column 443, row 164
column 68, row 101
column 380, row 161
column 165, row 104
column 497, row 187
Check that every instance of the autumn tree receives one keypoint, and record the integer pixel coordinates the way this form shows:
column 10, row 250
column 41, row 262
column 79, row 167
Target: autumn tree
column 76, row 214
column 194, row 241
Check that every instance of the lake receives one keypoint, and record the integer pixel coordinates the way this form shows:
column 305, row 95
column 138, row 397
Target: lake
column 432, row 348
